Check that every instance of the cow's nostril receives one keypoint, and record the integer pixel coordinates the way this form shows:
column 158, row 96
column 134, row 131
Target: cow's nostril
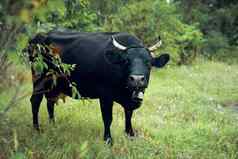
column 137, row 78
column 131, row 78
column 142, row 79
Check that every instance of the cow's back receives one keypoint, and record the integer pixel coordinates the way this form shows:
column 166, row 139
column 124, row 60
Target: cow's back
column 87, row 50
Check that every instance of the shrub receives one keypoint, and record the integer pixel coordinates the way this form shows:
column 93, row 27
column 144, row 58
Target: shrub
column 150, row 19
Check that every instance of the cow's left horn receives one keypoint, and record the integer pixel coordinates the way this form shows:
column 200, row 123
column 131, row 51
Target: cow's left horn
column 117, row 44
column 156, row 46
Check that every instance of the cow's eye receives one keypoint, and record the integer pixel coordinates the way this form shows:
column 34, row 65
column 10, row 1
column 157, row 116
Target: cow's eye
column 147, row 63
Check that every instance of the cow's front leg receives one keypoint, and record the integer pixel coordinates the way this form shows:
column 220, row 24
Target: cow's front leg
column 106, row 109
column 35, row 104
column 128, row 127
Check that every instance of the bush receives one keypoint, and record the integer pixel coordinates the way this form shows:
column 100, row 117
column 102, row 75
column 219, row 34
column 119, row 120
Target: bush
column 150, row 19
column 215, row 43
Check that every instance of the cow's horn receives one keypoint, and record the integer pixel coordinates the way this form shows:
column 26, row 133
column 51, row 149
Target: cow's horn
column 118, row 45
column 156, row 46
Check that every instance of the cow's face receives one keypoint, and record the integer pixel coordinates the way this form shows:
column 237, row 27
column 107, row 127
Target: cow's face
column 138, row 62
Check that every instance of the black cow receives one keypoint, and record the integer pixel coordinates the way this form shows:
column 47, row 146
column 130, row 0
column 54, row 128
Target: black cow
column 109, row 66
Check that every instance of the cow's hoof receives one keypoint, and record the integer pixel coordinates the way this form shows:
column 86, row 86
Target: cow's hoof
column 52, row 121
column 108, row 141
column 36, row 127
column 130, row 133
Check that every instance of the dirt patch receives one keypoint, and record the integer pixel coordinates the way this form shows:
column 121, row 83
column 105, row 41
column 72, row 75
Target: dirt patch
column 233, row 105
column 230, row 104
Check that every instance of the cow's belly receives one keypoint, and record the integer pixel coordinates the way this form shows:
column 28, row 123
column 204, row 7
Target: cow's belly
column 88, row 92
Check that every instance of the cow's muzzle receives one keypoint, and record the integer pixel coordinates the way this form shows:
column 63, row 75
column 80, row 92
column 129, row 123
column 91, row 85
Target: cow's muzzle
column 136, row 83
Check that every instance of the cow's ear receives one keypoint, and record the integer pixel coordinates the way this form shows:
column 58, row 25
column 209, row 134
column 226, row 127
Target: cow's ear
column 160, row 61
column 114, row 57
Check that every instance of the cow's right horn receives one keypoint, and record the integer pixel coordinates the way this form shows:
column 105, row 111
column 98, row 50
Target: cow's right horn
column 156, row 46
column 118, row 45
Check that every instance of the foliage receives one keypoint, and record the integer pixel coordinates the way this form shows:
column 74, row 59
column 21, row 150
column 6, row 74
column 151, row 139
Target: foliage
column 41, row 66
column 69, row 14
column 10, row 27
column 188, row 28
column 150, row 19
column 218, row 22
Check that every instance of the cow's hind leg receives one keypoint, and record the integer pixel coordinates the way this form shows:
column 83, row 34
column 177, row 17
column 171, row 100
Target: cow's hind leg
column 35, row 104
column 50, row 108
column 106, row 109
column 128, row 126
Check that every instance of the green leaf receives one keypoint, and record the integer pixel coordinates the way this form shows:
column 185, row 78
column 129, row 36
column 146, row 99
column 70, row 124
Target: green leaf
column 75, row 93
column 18, row 155
column 38, row 66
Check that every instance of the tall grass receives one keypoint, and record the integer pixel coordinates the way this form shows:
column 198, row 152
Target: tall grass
column 182, row 117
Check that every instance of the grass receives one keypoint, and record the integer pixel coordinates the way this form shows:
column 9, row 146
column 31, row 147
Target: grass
column 182, row 117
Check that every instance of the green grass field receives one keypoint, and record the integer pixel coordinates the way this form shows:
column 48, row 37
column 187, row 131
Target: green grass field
column 183, row 117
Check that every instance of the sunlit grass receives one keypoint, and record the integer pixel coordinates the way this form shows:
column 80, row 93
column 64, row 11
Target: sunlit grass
column 182, row 117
